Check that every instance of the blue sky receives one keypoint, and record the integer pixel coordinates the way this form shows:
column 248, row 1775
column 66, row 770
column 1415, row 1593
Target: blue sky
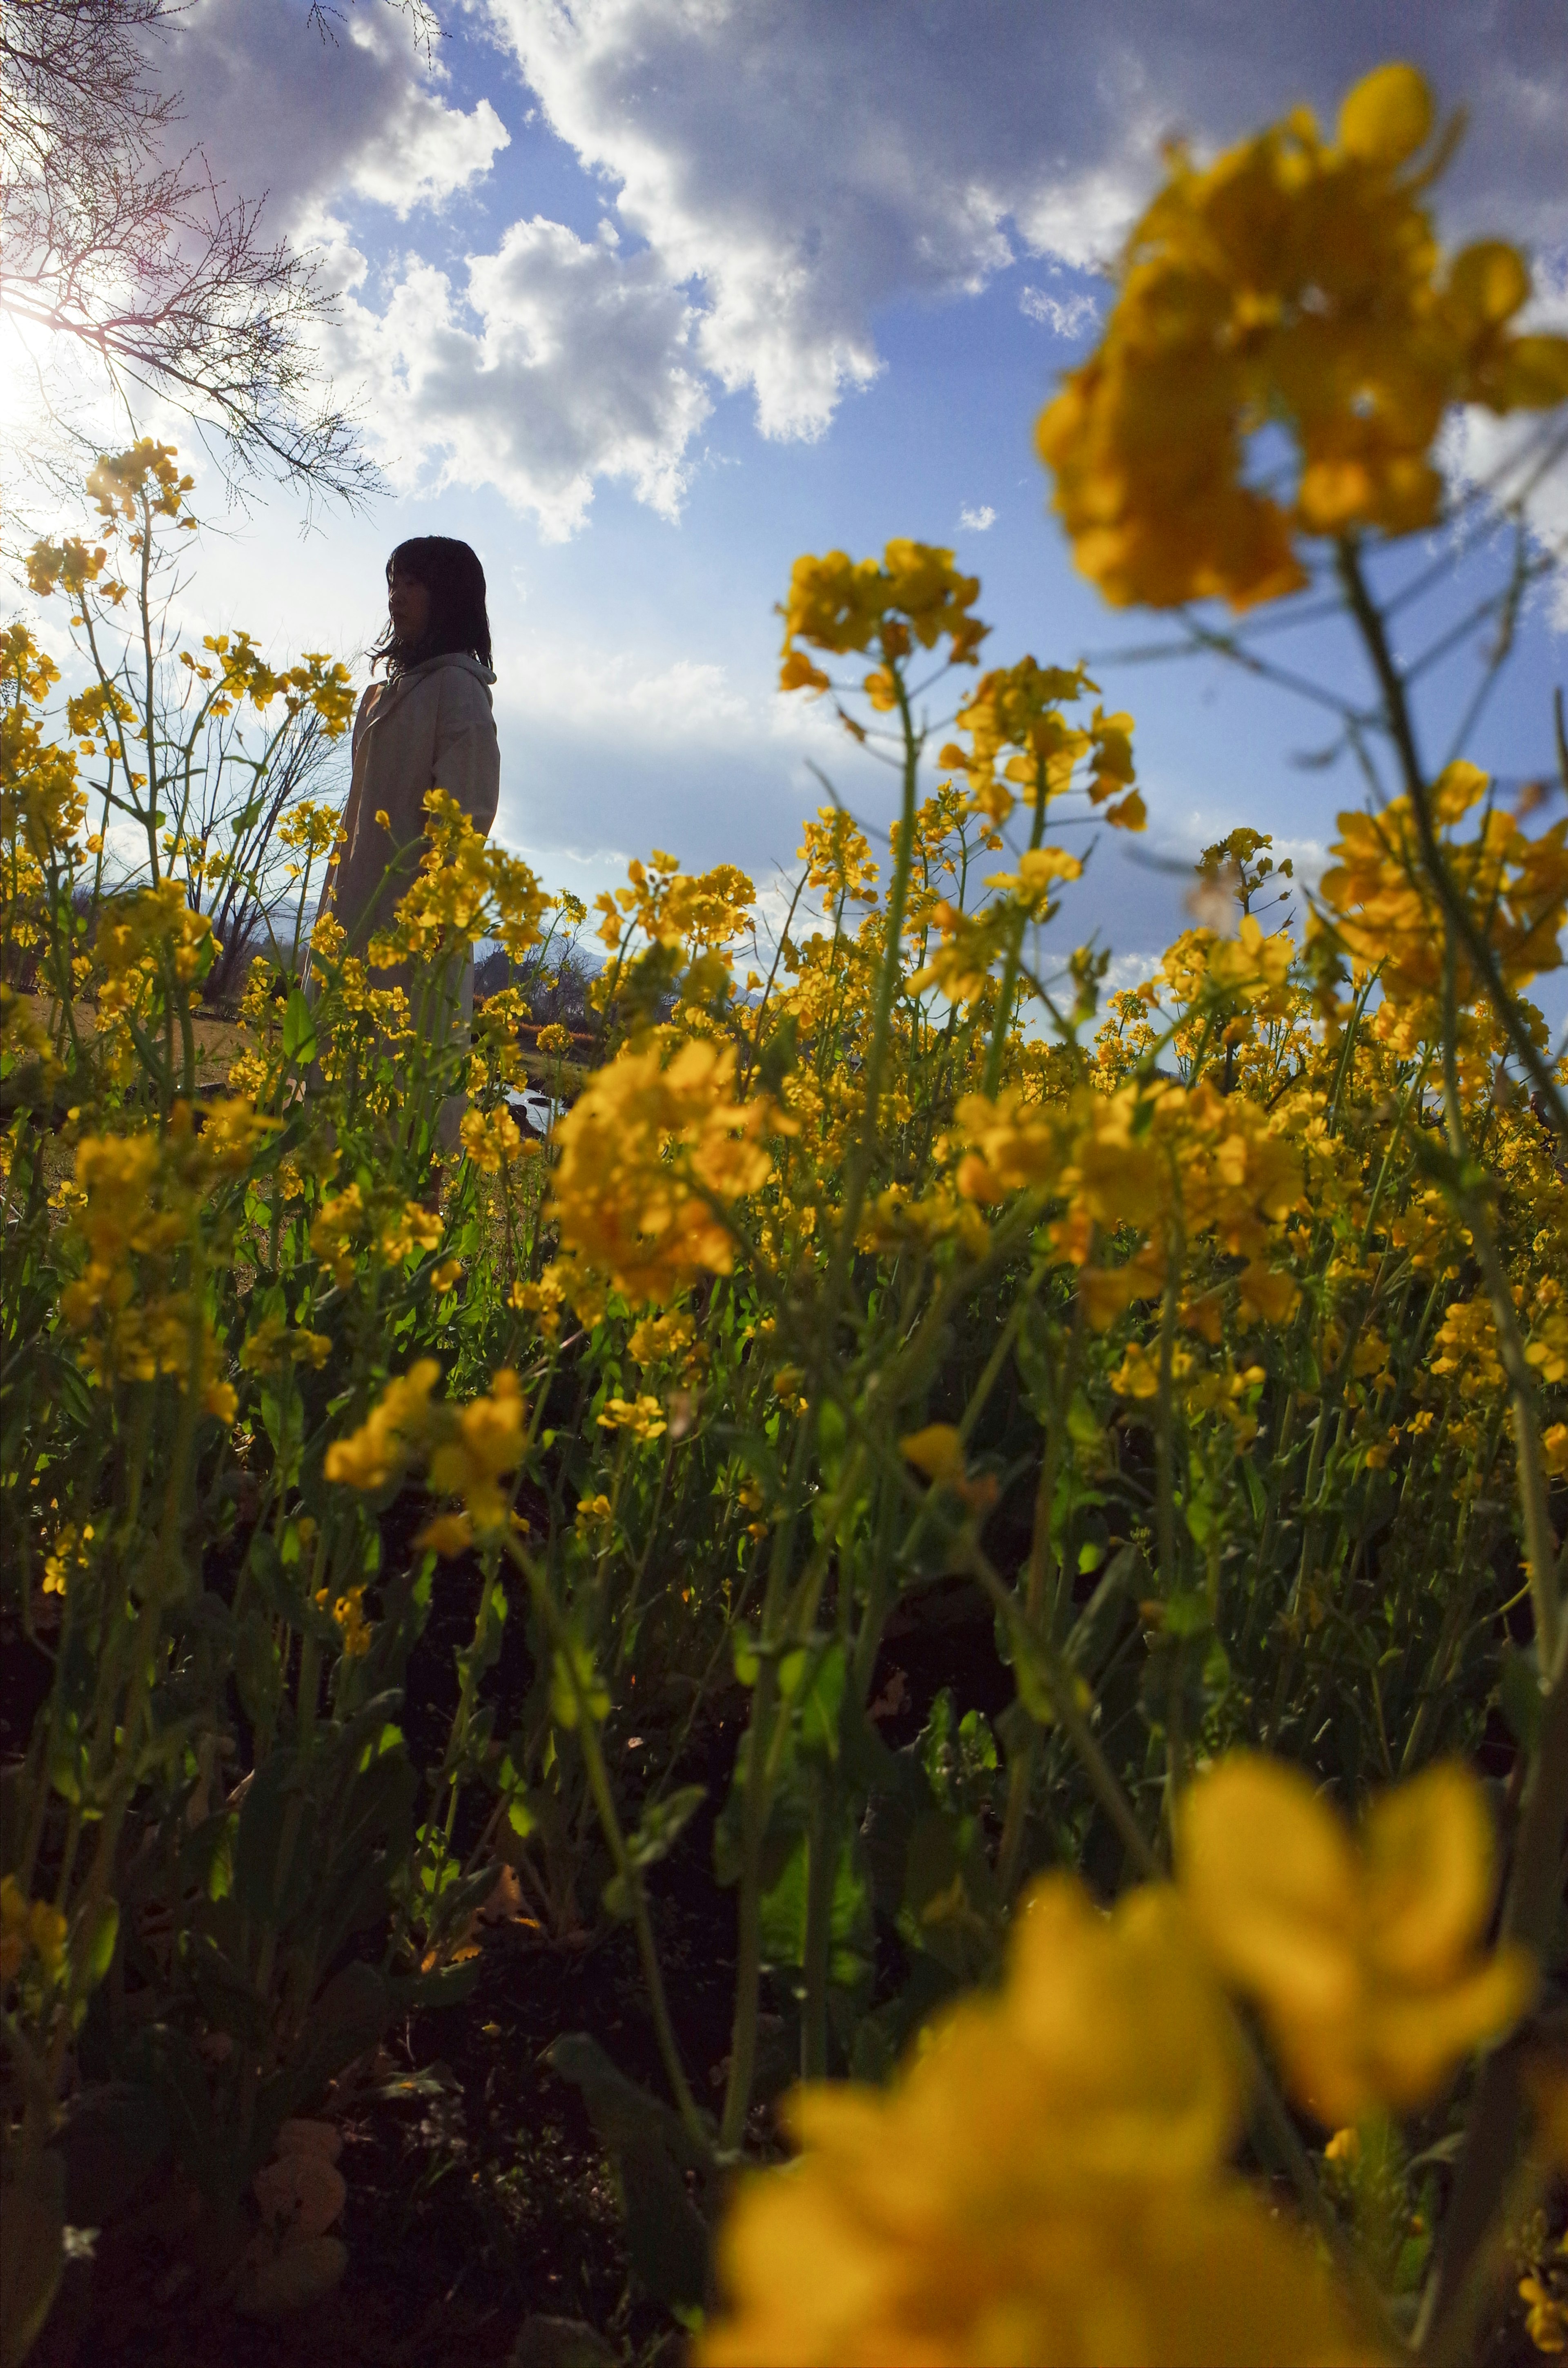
column 645, row 297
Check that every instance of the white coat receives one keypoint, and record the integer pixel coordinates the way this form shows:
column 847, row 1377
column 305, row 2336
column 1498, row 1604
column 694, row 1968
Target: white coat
column 431, row 728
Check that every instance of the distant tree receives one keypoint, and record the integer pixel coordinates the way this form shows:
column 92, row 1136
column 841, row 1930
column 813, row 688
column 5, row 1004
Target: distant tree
column 556, row 981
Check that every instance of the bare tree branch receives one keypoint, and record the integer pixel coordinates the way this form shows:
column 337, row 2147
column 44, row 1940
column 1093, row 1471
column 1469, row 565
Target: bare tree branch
column 148, row 267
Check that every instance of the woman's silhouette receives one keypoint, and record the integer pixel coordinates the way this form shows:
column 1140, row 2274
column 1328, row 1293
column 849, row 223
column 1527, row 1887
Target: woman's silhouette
column 430, row 725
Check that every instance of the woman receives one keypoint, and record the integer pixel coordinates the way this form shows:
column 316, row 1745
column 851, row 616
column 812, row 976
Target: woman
column 428, row 726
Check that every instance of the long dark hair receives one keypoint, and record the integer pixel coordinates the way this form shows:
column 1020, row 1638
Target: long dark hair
column 453, row 575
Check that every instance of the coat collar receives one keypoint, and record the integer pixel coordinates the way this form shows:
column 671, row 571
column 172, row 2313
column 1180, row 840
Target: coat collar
column 390, row 692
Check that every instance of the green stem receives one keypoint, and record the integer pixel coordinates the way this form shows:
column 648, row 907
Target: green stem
column 821, row 1869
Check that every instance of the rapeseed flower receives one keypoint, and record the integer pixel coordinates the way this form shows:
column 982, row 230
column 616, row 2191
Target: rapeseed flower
column 1296, row 279
column 1363, row 1953
column 467, row 1450
column 1044, row 2181
column 653, row 1153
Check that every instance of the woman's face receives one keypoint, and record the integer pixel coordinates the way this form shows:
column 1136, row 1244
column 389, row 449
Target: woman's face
column 408, row 606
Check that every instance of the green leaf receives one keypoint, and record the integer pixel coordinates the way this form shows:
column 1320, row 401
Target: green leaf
column 851, row 1931
column 659, row 1827
column 268, row 1884
column 575, row 1686
column 821, row 1706
column 666, row 2236
column 1520, row 1695
column 99, row 1954
column 298, row 1030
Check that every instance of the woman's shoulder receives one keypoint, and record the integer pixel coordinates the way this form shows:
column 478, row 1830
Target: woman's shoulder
column 461, row 687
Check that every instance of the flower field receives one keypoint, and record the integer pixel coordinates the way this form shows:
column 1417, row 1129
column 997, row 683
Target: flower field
column 1194, row 1358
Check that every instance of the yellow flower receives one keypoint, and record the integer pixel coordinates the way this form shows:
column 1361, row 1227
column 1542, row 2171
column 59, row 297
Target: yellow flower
column 938, row 1451
column 68, row 1555
column 1386, row 912
column 1362, row 1955
column 1294, row 281
column 642, row 1417
column 838, row 856
column 1044, row 2181
column 1547, row 2322
column 28, row 1927
column 347, row 1612
column 658, row 1336
column 593, row 1513
column 391, row 1434
column 651, row 1153
column 467, row 1449
column 275, row 1344
column 492, row 1139
column 553, row 1038
column 482, row 1442
column 840, row 604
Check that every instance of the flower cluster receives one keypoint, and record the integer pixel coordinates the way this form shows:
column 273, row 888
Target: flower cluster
column 653, row 1155
column 1047, row 2178
column 1385, row 912
column 32, row 1931
column 913, row 594
column 466, row 1450
column 1014, row 720
column 466, row 889
column 1296, row 280
column 136, row 1302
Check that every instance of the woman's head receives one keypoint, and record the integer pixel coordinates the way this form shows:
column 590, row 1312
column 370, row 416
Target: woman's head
column 435, row 603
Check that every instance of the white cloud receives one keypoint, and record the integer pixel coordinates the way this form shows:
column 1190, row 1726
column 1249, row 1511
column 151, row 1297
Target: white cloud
column 304, row 122
column 1126, row 973
column 560, row 362
column 780, row 173
column 809, row 163
column 634, row 698
column 977, row 520
column 1068, row 316
column 1504, row 455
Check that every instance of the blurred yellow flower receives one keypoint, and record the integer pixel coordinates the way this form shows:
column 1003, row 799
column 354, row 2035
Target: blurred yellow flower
column 1361, row 1953
column 1295, row 280
column 642, row 1417
column 28, row 1927
column 1043, row 2181
column 467, row 1449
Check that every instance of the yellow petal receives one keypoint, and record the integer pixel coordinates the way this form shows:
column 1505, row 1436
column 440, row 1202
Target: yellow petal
column 1387, row 116
column 1414, row 2041
column 1429, row 1875
column 937, row 1450
column 1269, row 1875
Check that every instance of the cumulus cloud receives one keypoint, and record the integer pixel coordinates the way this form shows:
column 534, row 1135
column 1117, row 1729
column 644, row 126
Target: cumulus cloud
column 977, row 521
column 806, row 163
column 557, row 363
column 783, row 171
column 305, row 122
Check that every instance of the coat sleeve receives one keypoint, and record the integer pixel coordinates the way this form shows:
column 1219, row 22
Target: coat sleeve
column 467, row 754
